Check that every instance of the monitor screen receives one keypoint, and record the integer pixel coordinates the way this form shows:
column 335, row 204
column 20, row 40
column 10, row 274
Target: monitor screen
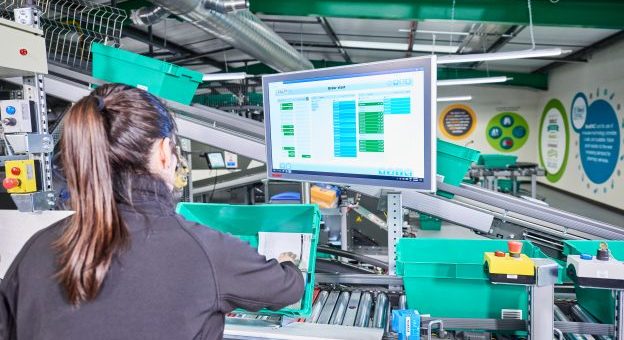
column 215, row 160
column 369, row 124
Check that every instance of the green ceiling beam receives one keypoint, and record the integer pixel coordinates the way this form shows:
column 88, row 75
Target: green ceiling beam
column 533, row 80
column 581, row 13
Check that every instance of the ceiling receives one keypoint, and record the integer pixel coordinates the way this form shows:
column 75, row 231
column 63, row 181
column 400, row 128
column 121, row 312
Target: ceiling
column 366, row 40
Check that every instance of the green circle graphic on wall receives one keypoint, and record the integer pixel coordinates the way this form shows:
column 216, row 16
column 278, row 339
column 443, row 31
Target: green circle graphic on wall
column 507, row 131
column 554, row 140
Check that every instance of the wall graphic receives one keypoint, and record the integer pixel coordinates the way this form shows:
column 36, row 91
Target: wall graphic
column 554, row 140
column 595, row 119
column 507, row 132
column 457, row 121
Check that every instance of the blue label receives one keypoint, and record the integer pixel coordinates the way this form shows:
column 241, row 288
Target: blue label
column 600, row 141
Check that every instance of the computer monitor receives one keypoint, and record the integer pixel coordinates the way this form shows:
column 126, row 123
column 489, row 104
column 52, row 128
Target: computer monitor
column 367, row 124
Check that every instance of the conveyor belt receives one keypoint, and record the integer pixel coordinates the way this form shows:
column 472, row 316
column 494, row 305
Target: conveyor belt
column 351, row 308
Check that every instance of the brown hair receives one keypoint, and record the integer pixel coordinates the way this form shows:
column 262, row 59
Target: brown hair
column 107, row 137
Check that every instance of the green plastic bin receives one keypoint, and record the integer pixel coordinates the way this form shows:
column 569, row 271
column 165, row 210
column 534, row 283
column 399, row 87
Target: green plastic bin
column 428, row 222
column 454, row 161
column 598, row 302
column 496, row 161
column 160, row 78
column 506, row 185
column 446, row 278
column 245, row 221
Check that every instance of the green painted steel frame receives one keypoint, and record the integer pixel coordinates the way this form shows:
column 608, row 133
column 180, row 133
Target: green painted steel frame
column 581, row 13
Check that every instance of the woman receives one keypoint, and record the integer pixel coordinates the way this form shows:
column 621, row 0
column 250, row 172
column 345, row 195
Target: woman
column 124, row 266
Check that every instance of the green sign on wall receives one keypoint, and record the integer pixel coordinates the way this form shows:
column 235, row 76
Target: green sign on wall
column 507, row 131
column 554, row 140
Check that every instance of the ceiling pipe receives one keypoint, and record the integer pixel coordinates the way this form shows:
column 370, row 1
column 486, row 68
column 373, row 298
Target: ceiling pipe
column 231, row 22
column 146, row 16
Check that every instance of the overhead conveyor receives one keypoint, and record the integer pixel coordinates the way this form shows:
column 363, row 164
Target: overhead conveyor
column 483, row 210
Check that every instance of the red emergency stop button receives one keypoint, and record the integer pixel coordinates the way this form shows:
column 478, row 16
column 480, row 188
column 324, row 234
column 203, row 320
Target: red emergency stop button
column 11, row 183
column 16, row 171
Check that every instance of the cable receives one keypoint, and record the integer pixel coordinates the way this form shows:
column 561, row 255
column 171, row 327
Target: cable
column 452, row 24
column 531, row 24
column 214, row 186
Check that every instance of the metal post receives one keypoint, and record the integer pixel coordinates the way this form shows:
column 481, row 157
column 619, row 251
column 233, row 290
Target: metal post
column 344, row 230
column 542, row 296
column 619, row 315
column 541, row 321
column 395, row 228
column 305, row 193
column 189, row 159
column 34, row 90
column 533, row 185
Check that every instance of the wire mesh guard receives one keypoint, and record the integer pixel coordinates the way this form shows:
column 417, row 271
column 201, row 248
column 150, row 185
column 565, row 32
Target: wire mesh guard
column 71, row 26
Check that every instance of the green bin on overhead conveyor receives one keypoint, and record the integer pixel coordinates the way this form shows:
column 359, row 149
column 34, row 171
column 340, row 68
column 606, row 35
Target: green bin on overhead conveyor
column 453, row 161
column 160, row 78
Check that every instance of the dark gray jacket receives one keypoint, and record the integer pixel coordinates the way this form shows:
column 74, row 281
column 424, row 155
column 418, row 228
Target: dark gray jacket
column 176, row 281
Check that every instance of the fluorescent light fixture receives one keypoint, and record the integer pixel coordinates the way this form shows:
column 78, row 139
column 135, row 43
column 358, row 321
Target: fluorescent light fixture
column 454, row 99
column 224, row 76
column 373, row 45
column 406, row 30
column 472, row 81
column 471, row 58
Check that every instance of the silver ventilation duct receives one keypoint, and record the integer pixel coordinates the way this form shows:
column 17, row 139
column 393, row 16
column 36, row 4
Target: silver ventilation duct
column 231, row 22
column 146, row 16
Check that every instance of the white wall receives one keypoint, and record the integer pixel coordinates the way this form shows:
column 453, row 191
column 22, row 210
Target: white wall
column 604, row 71
column 488, row 101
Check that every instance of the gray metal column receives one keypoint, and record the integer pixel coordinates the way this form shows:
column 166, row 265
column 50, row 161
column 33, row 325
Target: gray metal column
column 305, row 193
column 395, row 228
column 619, row 315
column 542, row 294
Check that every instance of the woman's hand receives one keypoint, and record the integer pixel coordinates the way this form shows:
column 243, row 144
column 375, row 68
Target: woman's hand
column 287, row 256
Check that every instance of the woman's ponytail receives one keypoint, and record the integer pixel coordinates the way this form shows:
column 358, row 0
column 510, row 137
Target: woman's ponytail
column 95, row 233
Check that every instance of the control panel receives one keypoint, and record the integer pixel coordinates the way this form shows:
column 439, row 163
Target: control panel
column 21, row 176
column 18, row 116
column 510, row 267
column 600, row 271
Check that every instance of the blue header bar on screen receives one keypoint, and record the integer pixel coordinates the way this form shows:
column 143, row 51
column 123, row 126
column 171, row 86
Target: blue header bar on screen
column 339, row 76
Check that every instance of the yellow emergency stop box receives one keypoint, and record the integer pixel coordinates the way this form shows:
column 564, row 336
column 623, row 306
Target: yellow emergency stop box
column 21, row 176
column 503, row 268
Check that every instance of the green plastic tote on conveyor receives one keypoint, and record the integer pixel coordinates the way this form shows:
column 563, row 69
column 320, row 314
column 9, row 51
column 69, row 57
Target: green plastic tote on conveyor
column 446, row 278
column 245, row 221
column 598, row 302
column 496, row 161
column 453, row 161
column 160, row 78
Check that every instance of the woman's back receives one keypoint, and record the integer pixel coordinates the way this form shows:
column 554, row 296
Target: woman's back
column 175, row 281
column 124, row 266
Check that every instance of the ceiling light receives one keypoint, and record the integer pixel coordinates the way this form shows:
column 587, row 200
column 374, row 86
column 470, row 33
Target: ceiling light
column 373, row 45
column 406, row 30
column 224, row 76
column 471, row 58
column 454, row 99
column 472, row 81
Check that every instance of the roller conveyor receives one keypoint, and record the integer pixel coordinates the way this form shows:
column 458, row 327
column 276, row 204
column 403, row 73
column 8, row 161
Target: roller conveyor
column 346, row 308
